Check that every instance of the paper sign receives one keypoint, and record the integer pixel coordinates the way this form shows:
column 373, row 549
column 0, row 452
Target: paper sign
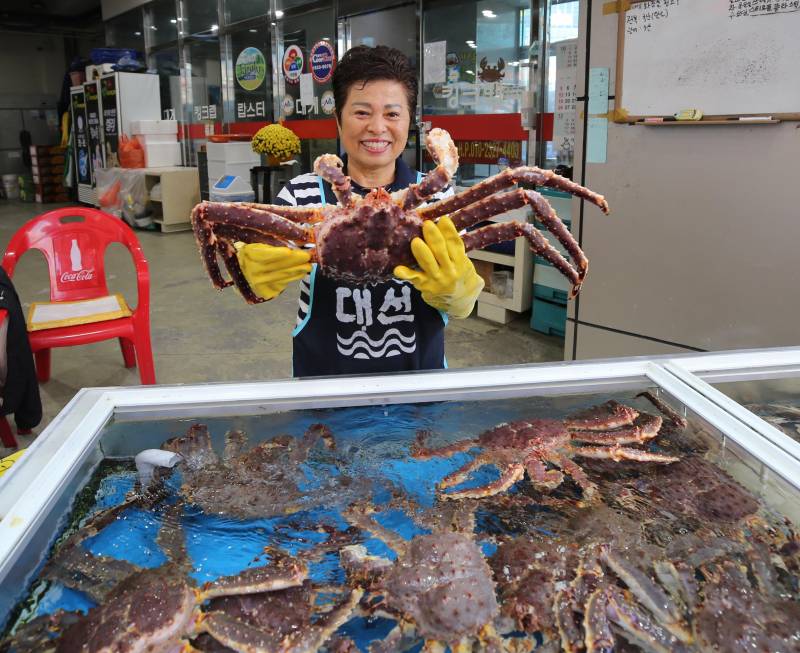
column 598, row 91
column 306, row 89
column 435, row 62
column 596, row 140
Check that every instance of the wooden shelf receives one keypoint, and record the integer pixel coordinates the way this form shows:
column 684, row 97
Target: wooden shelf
column 686, row 123
column 492, row 257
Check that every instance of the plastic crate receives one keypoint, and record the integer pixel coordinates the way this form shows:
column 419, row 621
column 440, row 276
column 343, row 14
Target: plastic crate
column 549, row 318
column 554, row 295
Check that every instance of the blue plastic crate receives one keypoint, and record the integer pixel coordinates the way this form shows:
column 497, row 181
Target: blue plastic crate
column 549, row 318
column 550, row 294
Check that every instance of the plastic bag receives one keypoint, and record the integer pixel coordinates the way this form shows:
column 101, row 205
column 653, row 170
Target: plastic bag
column 134, row 199
column 109, row 184
column 131, row 154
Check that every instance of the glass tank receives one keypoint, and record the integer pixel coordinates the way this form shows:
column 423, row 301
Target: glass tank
column 459, row 509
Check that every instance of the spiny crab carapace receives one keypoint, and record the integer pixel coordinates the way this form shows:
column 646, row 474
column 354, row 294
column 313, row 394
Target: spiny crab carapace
column 362, row 240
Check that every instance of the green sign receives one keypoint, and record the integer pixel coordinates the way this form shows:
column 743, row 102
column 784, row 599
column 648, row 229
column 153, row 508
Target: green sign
column 251, row 69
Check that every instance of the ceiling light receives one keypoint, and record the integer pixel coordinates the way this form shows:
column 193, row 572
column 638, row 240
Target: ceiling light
column 154, row 27
column 214, row 28
column 278, row 13
column 137, row 33
column 174, row 21
column 513, row 63
column 273, row 24
column 470, row 72
column 489, row 13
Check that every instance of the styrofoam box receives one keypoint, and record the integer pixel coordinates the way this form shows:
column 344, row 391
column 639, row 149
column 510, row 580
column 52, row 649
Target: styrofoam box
column 156, row 139
column 154, row 127
column 160, row 155
column 238, row 152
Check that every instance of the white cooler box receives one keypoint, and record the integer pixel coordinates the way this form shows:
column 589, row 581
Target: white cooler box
column 234, row 159
column 162, row 155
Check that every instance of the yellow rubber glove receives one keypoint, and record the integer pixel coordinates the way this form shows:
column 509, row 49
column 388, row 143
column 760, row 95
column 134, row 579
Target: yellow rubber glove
column 270, row 269
column 447, row 279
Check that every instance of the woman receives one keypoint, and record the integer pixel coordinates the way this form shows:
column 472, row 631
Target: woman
column 345, row 328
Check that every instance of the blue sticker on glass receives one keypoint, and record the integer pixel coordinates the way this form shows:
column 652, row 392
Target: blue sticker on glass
column 323, row 59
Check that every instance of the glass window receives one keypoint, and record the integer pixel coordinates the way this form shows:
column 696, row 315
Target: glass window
column 236, row 10
column 485, row 71
column 300, row 35
column 203, row 109
column 201, row 16
column 562, row 67
column 163, row 22
column 252, row 74
column 126, row 31
column 169, row 77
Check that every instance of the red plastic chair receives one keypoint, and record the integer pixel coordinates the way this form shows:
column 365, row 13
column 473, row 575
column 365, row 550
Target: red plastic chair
column 54, row 234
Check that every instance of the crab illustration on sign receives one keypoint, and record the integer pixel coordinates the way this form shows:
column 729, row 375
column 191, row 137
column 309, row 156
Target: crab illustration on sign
column 491, row 73
column 322, row 60
column 293, row 64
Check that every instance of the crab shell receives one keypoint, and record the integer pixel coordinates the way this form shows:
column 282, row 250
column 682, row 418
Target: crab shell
column 368, row 242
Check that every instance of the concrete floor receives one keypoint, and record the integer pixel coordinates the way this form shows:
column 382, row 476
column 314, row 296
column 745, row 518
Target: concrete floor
column 201, row 335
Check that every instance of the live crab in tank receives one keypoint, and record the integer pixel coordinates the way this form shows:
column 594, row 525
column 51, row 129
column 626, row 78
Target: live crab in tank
column 601, row 432
column 362, row 240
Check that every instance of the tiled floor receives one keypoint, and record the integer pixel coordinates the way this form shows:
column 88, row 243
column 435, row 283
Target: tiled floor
column 202, row 335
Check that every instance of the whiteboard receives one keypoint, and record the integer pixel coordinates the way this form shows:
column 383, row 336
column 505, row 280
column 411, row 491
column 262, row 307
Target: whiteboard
column 724, row 57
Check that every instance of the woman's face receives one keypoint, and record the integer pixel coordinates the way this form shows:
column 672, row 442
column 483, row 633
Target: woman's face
column 373, row 124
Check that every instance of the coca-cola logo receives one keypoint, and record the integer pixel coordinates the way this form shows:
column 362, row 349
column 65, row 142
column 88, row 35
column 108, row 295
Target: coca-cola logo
column 80, row 275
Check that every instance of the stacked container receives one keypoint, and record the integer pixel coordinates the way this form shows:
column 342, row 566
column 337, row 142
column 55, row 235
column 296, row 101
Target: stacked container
column 232, row 158
column 159, row 140
column 47, row 167
column 11, row 186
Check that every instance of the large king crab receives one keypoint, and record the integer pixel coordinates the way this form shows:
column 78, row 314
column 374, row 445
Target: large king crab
column 439, row 588
column 261, row 610
column 529, row 445
column 363, row 240
column 261, row 481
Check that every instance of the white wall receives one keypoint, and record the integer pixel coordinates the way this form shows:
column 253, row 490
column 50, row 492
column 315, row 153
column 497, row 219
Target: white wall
column 700, row 249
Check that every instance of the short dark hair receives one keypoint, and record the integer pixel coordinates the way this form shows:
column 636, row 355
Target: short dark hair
column 365, row 64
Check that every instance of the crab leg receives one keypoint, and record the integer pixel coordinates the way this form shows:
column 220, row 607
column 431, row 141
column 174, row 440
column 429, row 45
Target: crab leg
column 575, row 471
column 444, row 153
column 638, row 628
column 268, row 578
column 241, row 636
column 678, row 421
column 421, row 452
column 503, row 202
column 506, row 179
column 329, row 167
column 618, row 453
column 357, row 515
column 510, row 475
column 217, row 225
column 645, row 428
column 501, row 232
column 303, row 214
column 542, row 477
